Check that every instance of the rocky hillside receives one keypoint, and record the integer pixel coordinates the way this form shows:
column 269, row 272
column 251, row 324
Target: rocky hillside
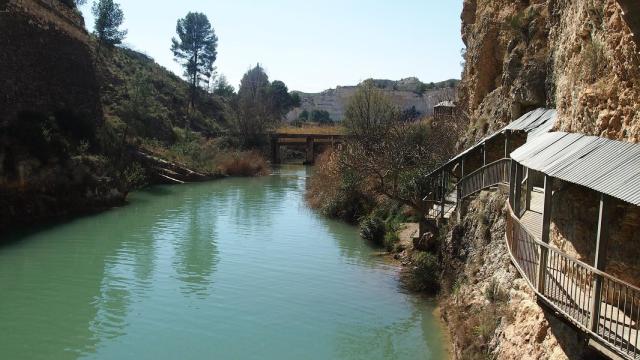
column 577, row 56
column 406, row 93
column 50, row 116
column 150, row 101
column 70, row 117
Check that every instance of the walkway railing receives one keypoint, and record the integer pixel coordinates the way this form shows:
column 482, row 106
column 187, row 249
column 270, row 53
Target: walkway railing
column 487, row 176
column 605, row 307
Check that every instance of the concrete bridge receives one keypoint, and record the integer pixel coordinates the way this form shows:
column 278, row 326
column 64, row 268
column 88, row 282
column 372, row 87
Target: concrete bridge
column 310, row 144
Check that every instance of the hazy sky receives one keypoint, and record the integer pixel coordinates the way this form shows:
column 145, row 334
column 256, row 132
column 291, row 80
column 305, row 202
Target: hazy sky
column 310, row 45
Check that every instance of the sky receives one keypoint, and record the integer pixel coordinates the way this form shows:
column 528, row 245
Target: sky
column 310, row 45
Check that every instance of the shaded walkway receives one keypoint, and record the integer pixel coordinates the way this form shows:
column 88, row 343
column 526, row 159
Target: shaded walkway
column 604, row 308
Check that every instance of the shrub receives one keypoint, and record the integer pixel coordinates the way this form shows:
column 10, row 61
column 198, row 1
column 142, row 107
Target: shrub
column 595, row 59
column 494, row 293
column 391, row 239
column 372, row 228
column 242, row 163
column 337, row 192
column 424, row 274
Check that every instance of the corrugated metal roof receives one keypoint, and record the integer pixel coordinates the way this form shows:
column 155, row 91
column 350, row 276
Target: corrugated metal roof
column 607, row 166
column 534, row 123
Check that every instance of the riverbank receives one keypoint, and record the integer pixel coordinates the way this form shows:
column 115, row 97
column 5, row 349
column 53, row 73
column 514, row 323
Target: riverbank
column 86, row 186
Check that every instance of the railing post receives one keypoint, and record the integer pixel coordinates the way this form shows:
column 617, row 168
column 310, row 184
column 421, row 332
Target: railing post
column 600, row 262
column 459, row 201
column 546, row 224
column 506, row 143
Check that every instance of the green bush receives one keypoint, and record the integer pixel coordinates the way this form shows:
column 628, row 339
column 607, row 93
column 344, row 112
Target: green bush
column 424, row 274
column 391, row 239
column 372, row 228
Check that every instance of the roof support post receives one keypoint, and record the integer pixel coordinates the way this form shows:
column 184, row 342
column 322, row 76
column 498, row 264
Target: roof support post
column 517, row 190
column 600, row 262
column 530, row 175
column 546, row 224
column 512, row 183
column 506, row 144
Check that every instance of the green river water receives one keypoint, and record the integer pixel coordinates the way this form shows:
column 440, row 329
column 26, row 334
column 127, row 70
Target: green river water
column 230, row 269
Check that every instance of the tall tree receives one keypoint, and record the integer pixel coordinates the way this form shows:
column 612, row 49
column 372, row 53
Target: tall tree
column 195, row 49
column 254, row 115
column 108, row 19
column 281, row 100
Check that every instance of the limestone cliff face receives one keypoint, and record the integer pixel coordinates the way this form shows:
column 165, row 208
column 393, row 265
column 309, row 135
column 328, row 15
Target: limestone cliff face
column 405, row 93
column 578, row 56
column 581, row 57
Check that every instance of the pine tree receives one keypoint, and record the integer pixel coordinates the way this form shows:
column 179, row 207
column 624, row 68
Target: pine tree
column 195, row 49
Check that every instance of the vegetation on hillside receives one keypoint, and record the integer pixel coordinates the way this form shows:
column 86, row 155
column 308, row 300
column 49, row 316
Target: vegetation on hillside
column 201, row 123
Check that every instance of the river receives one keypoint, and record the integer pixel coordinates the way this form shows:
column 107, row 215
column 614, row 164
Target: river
column 231, row 269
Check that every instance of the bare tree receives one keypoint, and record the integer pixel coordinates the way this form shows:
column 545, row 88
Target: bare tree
column 395, row 156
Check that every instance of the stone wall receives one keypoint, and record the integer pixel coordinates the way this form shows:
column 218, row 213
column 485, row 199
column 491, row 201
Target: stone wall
column 574, row 225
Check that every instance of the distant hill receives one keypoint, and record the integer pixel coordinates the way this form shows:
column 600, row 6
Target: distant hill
column 406, row 93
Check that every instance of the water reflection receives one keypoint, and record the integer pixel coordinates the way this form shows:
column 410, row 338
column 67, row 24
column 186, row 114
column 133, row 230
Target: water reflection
column 196, row 254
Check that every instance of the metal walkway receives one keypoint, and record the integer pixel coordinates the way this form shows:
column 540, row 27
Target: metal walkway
column 574, row 289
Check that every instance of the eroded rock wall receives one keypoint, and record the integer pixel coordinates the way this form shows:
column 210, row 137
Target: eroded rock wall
column 50, row 115
column 578, row 56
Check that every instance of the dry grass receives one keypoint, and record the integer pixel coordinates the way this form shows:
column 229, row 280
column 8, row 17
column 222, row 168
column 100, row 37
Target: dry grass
column 242, row 163
column 325, row 182
column 337, row 193
column 313, row 130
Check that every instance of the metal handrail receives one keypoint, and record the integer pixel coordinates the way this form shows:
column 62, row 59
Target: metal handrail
column 567, row 256
column 578, row 296
column 481, row 171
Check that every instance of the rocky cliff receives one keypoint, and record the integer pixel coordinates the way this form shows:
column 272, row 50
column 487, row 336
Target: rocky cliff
column 577, row 56
column 50, row 115
column 406, row 93
column 581, row 57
